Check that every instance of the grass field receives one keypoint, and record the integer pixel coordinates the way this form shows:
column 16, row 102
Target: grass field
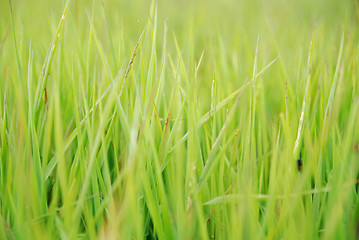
column 179, row 119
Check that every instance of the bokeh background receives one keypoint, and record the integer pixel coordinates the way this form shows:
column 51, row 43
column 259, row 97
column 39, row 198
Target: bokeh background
column 215, row 27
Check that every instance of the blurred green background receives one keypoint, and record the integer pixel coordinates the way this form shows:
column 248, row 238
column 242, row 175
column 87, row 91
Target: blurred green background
column 225, row 30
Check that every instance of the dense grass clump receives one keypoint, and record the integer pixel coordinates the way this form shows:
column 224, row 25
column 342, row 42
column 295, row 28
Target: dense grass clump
column 179, row 119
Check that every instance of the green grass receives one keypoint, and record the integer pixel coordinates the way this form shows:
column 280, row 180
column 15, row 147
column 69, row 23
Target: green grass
column 179, row 119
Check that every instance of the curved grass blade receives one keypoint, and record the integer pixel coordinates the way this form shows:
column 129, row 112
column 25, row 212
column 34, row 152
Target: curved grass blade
column 48, row 61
